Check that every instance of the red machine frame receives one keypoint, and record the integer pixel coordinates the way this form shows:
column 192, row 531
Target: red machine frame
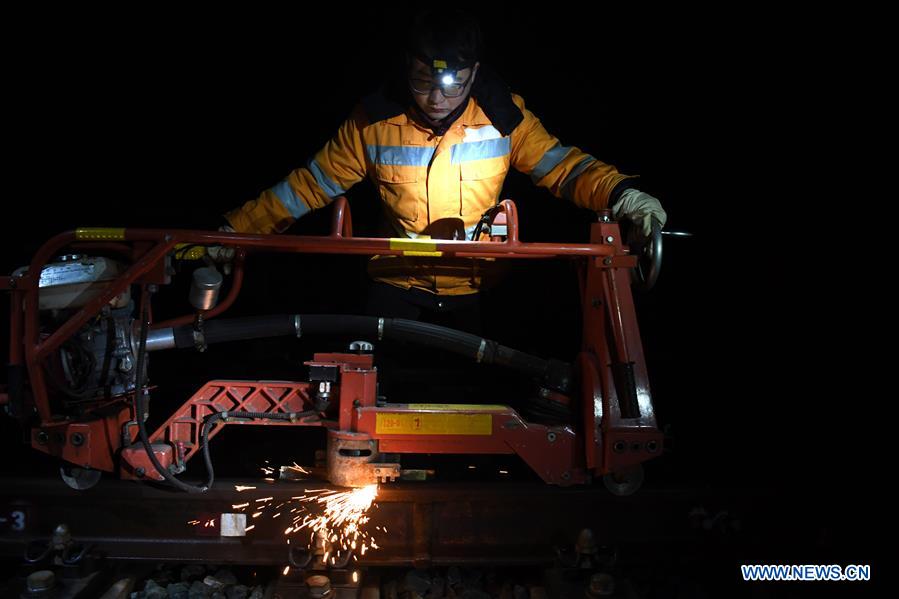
column 603, row 442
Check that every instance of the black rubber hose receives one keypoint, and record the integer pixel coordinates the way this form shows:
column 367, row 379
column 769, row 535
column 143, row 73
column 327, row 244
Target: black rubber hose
column 138, row 403
column 16, row 388
column 340, row 324
column 552, row 373
column 432, row 335
column 477, row 348
column 232, row 329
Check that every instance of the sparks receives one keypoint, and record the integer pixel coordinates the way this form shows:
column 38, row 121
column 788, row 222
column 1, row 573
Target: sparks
column 249, row 528
column 355, row 576
column 336, row 518
column 341, row 522
column 286, row 570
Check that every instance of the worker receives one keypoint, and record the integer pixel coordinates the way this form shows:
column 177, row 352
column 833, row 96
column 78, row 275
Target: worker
column 437, row 142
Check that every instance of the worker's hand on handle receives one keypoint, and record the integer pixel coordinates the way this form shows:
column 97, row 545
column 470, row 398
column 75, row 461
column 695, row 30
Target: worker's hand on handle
column 222, row 254
column 639, row 208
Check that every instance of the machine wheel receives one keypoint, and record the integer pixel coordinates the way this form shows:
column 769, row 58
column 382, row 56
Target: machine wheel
column 650, row 259
column 79, row 479
column 624, row 483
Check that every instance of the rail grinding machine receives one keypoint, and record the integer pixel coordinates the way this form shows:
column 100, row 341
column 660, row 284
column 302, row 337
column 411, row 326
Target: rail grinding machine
column 82, row 333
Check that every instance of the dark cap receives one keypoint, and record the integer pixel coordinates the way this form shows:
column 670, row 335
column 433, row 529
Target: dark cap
column 450, row 36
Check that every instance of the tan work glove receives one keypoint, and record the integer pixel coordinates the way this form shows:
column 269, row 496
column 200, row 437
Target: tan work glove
column 639, row 208
column 220, row 253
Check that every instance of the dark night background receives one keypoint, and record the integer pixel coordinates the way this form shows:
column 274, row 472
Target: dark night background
column 170, row 121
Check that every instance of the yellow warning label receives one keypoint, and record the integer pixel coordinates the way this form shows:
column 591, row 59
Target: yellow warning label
column 418, row 245
column 415, row 247
column 433, row 424
column 97, row 234
column 462, row 407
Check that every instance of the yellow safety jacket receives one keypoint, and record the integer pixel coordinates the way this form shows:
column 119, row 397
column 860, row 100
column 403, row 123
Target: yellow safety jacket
column 422, row 177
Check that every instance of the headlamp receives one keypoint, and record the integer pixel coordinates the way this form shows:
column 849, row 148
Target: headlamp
column 443, row 77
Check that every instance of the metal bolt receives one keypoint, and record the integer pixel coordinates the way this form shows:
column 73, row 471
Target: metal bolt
column 319, row 586
column 361, row 347
column 125, row 364
column 601, row 585
column 140, row 472
column 566, row 475
column 62, row 535
column 77, row 439
column 610, row 239
column 607, row 261
column 42, row 438
column 41, row 581
column 652, row 447
column 586, row 542
column 440, row 305
column 619, row 446
column 551, row 437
